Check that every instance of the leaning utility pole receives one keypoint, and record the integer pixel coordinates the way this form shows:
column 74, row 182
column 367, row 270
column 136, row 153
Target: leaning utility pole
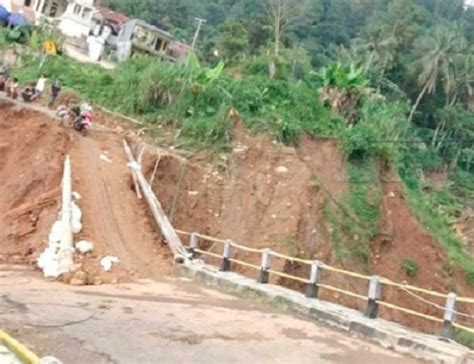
column 196, row 35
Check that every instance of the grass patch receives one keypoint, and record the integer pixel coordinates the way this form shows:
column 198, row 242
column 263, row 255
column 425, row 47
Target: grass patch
column 410, row 267
column 355, row 219
column 340, row 252
column 437, row 211
column 464, row 338
column 193, row 99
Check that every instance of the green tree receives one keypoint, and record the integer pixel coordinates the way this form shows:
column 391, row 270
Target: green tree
column 233, row 40
column 283, row 14
column 436, row 54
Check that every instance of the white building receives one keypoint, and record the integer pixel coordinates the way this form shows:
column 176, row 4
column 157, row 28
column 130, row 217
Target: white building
column 75, row 17
column 35, row 9
column 77, row 20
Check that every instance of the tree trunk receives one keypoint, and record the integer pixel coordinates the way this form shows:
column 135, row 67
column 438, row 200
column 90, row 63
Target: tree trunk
column 293, row 69
column 277, row 42
column 435, row 137
column 417, row 103
column 272, row 67
column 278, row 30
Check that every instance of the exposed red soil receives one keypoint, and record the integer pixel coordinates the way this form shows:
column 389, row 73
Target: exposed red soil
column 32, row 151
column 249, row 198
column 465, row 229
column 262, row 195
column 34, row 148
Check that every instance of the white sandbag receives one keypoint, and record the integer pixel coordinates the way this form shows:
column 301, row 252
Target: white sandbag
column 49, row 360
column 107, row 262
column 56, row 232
column 50, row 260
column 104, row 158
column 76, row 218
column 84, row 246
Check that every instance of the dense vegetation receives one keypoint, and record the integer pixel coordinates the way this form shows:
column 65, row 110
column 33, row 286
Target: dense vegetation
column 391, row 79
column 398, row 77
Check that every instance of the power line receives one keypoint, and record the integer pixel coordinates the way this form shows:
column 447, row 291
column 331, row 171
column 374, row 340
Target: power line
column 413, row 141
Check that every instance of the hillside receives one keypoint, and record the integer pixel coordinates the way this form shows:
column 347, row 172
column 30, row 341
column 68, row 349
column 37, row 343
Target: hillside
column 342, row 132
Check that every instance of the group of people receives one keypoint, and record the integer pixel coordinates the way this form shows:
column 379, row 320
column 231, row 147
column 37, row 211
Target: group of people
column 8, row 83
column 31, row 92
column 81, row 116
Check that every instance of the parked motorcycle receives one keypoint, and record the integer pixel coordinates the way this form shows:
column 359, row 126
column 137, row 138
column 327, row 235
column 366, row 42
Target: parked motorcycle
column 28, row 94
column 83, row 122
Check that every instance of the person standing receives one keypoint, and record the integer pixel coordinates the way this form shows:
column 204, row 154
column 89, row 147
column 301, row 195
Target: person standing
column 55, row 90
column 12, row 88
column 40, row 86
column 5, row 75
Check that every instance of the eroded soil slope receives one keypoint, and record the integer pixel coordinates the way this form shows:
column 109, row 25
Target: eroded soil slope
column 33, row 147
column 265, row 195
column 32, row 150
column 261, row 194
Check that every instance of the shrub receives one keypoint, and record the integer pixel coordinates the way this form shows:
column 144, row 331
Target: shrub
column 410, row 267
column 358, row 142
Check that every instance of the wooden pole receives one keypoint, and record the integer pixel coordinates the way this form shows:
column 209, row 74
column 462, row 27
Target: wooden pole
column 161, row 219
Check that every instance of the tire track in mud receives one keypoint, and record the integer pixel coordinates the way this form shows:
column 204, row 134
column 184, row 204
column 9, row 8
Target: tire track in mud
column 113, row 217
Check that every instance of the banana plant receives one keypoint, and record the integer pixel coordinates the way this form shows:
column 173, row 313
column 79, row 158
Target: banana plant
column 344, row 87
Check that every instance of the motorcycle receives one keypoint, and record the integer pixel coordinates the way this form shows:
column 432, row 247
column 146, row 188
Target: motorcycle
column 83, row 122
column 28, row 94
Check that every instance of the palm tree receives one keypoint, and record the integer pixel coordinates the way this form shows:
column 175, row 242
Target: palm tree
column 436, row 63
column 465, row 78
column 378, row 54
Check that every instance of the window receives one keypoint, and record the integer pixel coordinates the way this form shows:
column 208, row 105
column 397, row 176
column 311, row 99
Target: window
column 86, row 13
column 77, row 9
column 161, row 45
column 53, row 11
column 45, row 7
column 144, row 37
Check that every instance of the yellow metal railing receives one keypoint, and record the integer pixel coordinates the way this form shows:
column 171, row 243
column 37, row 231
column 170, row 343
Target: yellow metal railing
column 18, row 349
column 413, row 290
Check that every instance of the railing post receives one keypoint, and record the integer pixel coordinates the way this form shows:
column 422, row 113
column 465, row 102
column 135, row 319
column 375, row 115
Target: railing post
column 312, row 289
column 225, row 267
column 264, row 274
column 374, row 296
column 449, row 316
column 193, row 244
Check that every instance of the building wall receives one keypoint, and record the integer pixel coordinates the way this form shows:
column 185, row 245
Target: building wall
column 77, row 20
column 34, row 9
column 50, row 8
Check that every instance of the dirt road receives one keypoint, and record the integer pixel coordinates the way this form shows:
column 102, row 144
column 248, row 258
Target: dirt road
column 114, row 218
column 170, row 321
column 33, row 146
